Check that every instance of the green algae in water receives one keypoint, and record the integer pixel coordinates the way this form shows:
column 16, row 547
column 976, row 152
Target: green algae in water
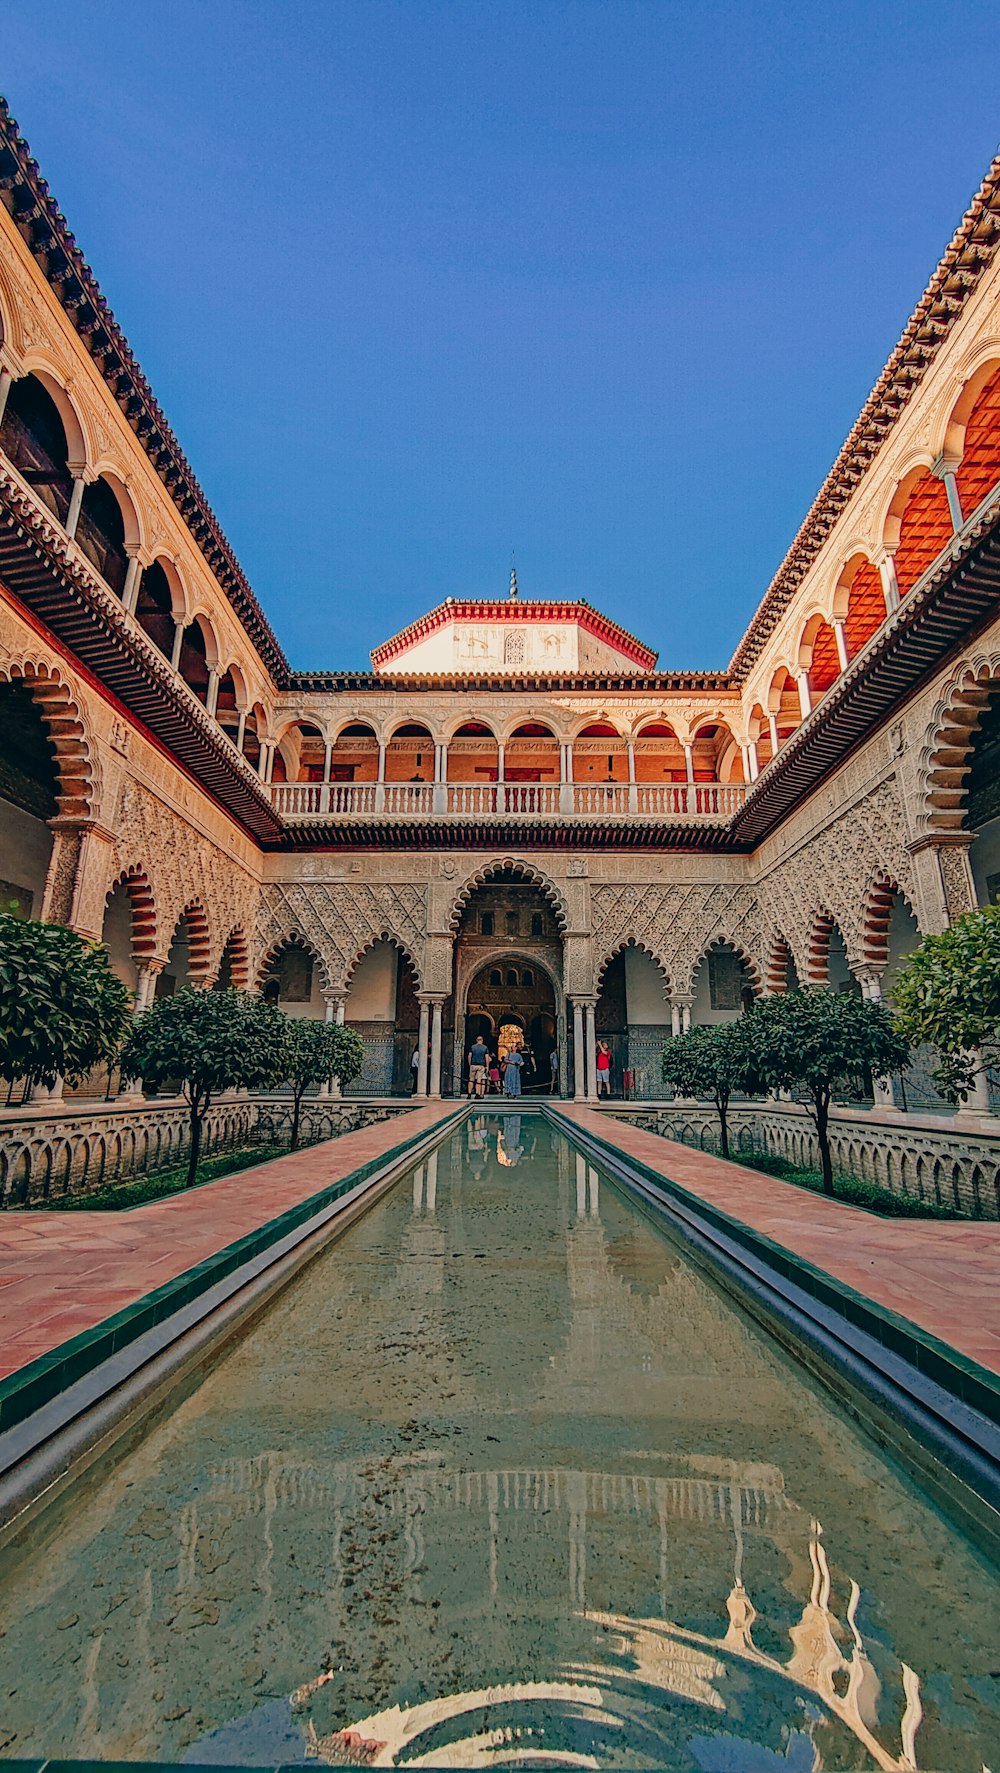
column 504, row 1480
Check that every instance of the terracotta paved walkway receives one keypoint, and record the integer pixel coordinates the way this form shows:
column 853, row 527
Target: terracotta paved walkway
column 942, row 1275
column 63, row 1272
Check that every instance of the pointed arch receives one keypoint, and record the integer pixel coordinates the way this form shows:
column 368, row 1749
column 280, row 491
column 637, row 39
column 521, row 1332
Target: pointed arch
column 822, row 930
column 64, row 722
column 880, row 896
column 234, row 961
column 781, row 973
column 199, row 940
column 917, row 525
column 292, row 938
column 642, row 947
column 395, row 941
column 134, row 881
column 521, row 870
column 947, row 754
column 721, row 938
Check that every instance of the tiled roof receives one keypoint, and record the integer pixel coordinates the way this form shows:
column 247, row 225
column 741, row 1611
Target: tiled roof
column 969, row 252
column 48, row 237
column 526, row 609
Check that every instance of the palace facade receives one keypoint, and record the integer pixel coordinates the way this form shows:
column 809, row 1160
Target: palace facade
column 517, row 820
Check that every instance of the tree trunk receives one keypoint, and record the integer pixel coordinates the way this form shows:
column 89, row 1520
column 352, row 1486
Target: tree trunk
column 296, row 1106
column 197, row 1118
column 722, row 1104
column 823, row 1140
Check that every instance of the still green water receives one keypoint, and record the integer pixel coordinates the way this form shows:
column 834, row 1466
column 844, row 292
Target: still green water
column 503, row 1480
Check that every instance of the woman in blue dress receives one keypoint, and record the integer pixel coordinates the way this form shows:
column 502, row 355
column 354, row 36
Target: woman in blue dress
column 512, row 1073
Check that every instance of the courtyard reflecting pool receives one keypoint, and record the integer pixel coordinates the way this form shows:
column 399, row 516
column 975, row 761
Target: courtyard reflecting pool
column 504, row 1480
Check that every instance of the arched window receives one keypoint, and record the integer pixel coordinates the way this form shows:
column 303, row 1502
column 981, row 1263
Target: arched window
column 496, row 977
column 512, row 975
column 154, row 608
column 486, row 923
column 528, row 978
column 33, row 438
column 537, row 924
column 100, row 532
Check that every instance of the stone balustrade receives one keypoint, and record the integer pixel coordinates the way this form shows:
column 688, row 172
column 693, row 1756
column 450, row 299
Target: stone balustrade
column 713, row 802
column 953, row 1161
column 47, row 1156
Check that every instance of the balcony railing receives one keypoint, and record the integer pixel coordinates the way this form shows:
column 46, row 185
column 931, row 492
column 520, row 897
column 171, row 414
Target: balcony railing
column 715, row 801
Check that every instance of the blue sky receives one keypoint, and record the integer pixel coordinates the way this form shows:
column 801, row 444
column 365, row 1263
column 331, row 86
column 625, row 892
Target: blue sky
column 421, row 283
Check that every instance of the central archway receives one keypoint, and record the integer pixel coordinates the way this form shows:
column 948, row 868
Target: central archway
column 508, row 973
column 511, row 1002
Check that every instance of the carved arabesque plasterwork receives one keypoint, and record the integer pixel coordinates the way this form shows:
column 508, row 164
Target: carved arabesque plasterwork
column 677, row 922
column 340, row 919
column 956, row 874
column 184, row 867
column 834, row 872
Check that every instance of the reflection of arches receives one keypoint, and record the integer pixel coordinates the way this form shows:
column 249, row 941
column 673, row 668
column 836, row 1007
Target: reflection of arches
column 508, row 867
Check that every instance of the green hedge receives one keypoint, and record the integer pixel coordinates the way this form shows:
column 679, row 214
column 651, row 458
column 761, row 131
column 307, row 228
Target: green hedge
column 848, row 1188
column 157, row 1184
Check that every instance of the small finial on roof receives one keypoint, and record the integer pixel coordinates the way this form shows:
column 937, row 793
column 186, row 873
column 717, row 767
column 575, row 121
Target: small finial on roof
column 513, row 579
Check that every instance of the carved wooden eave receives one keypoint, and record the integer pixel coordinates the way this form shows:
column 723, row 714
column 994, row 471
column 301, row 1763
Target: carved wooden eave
column 501, row 683
column 957, row 595
column 968, row 255
column 516, row 834
column 46, row 573
column 45, row 231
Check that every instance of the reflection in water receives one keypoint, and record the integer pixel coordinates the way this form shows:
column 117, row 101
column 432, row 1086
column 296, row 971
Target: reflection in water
column 502, row 1480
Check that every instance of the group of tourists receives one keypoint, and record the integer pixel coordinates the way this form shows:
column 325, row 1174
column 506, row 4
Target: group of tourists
column 491, row 1072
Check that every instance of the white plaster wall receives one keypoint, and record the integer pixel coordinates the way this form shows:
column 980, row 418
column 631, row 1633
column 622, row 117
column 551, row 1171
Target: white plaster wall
column 25, row 846
column 644, row 999
column 117, row 937
column 372, row 997
column 985, row 858
column 481, row 646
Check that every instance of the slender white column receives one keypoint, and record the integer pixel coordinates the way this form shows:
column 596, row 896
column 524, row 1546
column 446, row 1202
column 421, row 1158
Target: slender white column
column 840, row 637
column 633, row 799
column 753, row 760
column 591, row 1053
column 76, row 500
column 423, row 1046
column 380, row 779
column 890, row 583
column 945, row 472
column 772, row 727
column 675, row 1020
column 175, row 657
column 327, row 760
column 579, row 1055
column 268, row 749
column 130, row 589
column 435, row 1077
column 805, row 698
column 241, row 730
column 212, row 692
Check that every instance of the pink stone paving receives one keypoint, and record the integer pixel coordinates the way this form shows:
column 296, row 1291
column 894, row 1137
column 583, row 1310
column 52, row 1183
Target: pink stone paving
column 61, row 1273
column 942, row 1275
